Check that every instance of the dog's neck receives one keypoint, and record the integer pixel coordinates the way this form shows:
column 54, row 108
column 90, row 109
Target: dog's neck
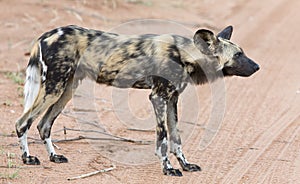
column 204, row 70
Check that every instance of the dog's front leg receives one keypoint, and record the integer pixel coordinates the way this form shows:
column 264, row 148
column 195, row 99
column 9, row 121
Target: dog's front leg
column 175, row 140
column 160, row 108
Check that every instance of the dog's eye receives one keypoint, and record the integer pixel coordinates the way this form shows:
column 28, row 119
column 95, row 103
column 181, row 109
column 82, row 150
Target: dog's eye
column 238, row 54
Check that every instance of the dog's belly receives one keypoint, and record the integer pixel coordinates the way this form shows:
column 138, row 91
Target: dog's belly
column 125, row 78
column 126, row 83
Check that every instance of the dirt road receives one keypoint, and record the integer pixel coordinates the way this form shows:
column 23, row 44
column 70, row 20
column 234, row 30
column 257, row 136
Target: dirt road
column 257, row 141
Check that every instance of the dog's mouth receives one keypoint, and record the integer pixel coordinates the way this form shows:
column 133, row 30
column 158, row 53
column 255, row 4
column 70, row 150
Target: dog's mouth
column 251, row 71
column 242, row 72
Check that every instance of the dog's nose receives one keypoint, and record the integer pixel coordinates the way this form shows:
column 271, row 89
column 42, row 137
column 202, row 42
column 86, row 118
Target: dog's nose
column 256, row 67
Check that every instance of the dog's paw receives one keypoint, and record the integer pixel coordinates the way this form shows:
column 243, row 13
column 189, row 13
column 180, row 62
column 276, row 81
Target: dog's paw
column 191, row 167
column 172, row 172
column 58, row 159
column 30, row 160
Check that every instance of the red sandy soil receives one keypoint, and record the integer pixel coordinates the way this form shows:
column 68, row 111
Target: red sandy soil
column 257, row 141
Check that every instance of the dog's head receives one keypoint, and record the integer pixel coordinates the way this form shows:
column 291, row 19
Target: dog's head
column 232, row 59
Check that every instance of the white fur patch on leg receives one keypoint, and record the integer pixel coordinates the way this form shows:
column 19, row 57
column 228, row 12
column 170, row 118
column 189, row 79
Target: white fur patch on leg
column 167, row 162
column 164, row 159
column 178, row 153
column 24, row 143
column 49, row 146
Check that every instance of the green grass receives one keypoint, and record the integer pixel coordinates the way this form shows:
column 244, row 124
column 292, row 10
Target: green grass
column 16, row 77
column 12, row 168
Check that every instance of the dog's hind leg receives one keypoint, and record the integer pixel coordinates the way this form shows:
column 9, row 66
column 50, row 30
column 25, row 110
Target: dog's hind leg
column 22, row 126
column 159, row 98
column 24, row 122
column 175, row 140
column 48, row 119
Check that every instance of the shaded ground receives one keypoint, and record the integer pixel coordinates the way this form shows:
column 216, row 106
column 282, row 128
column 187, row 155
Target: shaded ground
column 258, row 140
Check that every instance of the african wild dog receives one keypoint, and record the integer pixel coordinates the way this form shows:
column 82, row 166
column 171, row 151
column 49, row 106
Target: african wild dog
column 163, row 63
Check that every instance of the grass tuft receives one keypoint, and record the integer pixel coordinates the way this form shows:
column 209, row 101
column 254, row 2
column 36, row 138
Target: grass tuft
column 16, row 77
column 12, row 168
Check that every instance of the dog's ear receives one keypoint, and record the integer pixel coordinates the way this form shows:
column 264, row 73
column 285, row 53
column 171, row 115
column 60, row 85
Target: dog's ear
column 226, row 33
column 204, row 39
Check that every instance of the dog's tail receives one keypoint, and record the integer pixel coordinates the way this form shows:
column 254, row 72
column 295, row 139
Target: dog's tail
column 33, row 77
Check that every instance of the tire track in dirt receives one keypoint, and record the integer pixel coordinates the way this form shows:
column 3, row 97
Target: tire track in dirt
column 262, row 144
column 232, row 138
column 296, row 173
column 213, row 164
column 281, row 152
column 283, row 11
column 269, row 176
column 267, row 138
column 229, row 138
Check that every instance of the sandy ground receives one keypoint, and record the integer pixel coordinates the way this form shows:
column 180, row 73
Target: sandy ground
column 252, row 136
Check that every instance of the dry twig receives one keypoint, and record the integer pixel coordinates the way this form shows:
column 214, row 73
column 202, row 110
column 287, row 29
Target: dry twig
column 140, row 130
column 93, row 173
